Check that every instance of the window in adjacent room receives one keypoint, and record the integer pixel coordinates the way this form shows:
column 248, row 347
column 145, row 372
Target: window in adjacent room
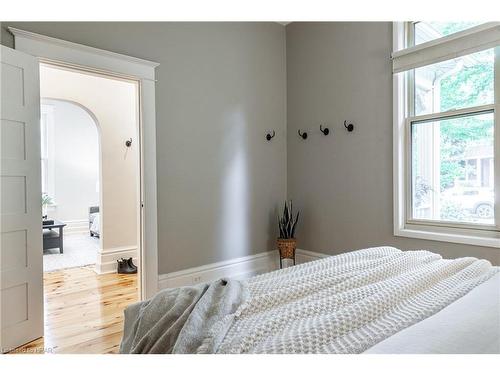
column 447, row 151
column 47, row 149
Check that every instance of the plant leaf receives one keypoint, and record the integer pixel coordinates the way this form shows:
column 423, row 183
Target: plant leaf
column 295, row 224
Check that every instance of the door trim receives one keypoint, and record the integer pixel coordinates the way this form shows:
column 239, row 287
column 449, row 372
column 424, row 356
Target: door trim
column 65, row 53
column 80, row 54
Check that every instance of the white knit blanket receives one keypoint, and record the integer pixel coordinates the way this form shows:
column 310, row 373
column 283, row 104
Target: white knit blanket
column 350, row 302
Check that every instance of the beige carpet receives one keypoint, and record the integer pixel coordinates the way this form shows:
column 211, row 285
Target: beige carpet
column 79, row 250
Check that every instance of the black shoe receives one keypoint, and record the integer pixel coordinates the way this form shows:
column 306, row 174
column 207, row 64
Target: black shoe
column 131, row 264
column 124, row 267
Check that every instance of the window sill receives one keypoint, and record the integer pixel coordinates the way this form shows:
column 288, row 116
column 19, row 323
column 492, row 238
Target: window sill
column 492, row 240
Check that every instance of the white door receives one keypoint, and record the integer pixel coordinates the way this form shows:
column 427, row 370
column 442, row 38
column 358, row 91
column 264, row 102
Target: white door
column 21, row 288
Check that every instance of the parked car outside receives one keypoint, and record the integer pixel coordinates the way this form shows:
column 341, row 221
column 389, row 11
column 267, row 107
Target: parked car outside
column 478, row 201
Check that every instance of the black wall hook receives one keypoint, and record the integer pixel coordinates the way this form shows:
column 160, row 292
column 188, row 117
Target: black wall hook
column 269, row 136
column 325, row 131
column 128, row 142
column 349, row 127
column 303, row 135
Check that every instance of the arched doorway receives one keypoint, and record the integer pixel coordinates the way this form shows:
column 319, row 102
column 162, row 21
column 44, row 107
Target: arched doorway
column 71, row 181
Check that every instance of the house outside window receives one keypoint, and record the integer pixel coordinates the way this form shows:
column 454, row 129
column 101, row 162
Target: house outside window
column 445, row 143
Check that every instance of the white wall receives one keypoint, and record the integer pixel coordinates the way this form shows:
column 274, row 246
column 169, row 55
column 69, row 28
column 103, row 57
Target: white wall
column 74, row 162
column 114, row 104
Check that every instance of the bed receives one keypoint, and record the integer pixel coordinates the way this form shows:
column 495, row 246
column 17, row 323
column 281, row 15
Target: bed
column 377, row 300
column 94, row 221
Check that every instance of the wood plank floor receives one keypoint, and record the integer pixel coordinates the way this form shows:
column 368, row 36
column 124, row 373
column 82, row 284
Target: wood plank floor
column 83, row 311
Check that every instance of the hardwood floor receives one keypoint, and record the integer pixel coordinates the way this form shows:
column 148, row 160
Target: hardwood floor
column 83, row 311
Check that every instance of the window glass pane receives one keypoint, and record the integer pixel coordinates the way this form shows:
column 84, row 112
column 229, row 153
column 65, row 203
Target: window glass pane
column 452, row 169
column 426, row 31
column 463, row 82
column 45, row 187
column 43, row 135
column 44, row 125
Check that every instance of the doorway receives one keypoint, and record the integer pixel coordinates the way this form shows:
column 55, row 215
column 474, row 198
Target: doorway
column 90, row 169
column 92, row 172
column 22, row 289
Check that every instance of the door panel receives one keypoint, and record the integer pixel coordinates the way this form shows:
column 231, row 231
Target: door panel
column 13, row 144
column 21, row 288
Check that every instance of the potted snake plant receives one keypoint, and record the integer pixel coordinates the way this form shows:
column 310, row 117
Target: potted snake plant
column 286, row 242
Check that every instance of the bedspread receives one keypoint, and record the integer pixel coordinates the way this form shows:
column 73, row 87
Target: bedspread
column 350, row 302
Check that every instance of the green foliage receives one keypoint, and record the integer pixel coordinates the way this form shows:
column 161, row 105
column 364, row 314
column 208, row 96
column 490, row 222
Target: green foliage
column 447, row 28
column 452, row 211
column 46, row 200
column 287, row 223
column 421, row 190
column 450, row 171
column 456, row 134
column 467, row 81
column 470, row 86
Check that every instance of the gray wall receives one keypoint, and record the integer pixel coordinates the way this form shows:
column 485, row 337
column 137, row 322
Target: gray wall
column 343, row 182
column 220, row 87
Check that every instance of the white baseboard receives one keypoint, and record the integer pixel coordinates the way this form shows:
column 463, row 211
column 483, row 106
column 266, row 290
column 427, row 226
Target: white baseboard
column 76, row 226
column 238, row 268
column 303, row 256
column 106, row 258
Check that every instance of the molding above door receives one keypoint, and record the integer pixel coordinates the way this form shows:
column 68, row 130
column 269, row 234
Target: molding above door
column 68, row 52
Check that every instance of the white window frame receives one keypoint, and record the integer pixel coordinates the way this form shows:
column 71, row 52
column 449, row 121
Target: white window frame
column 429, row 53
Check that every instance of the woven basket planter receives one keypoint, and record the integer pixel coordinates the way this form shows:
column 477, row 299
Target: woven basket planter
column 287, row 247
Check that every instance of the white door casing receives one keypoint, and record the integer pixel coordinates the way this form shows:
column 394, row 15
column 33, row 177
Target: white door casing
column 69, row 54
column 21, row 280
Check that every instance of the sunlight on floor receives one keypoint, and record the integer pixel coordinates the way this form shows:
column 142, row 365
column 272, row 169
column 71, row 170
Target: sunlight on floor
column 83, row 311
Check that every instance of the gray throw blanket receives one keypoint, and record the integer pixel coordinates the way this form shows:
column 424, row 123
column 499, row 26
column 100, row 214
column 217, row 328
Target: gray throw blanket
column 191, row 319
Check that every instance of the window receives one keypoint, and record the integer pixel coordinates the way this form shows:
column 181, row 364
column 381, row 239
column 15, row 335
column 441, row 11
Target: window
column 445, row 181
column 446, row 131
column 427, row 31
column 466, row 81
column 47, row 149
